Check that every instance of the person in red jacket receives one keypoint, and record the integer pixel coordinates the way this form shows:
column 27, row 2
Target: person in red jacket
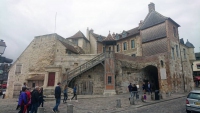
column 28, row 93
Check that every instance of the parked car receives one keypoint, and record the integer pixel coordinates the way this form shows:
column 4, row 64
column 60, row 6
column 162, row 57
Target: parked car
column 193, row 101
column 4, row 85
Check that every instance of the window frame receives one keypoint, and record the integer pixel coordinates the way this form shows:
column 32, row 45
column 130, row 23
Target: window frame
column 174, row 31
column 20, row 68
column 117, row 48
column 132, row 43
column 109, row 79
column 124, row 47
column 173, row 56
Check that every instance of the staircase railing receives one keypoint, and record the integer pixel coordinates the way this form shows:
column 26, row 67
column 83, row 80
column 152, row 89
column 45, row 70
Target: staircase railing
column 84, row 67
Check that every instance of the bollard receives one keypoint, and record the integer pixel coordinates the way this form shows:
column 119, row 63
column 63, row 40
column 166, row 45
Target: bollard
column 152, row 97
column 118, row 103
column 40, row 110
column 132, row 101
column 70, row 108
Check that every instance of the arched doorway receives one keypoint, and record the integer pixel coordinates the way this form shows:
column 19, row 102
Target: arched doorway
column 151, row 75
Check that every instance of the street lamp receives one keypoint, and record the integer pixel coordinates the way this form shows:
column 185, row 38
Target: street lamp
column 2, row 47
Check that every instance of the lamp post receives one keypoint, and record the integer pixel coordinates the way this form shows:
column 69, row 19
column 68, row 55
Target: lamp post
column 2, row 47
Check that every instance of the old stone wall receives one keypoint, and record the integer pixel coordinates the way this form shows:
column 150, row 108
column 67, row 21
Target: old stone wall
column 94, row 75
column 39, row 53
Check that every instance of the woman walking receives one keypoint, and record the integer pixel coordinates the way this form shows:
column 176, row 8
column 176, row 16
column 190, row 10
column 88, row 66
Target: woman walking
column 65, row 94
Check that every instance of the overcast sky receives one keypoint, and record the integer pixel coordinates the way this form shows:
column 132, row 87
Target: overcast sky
column 22, row 20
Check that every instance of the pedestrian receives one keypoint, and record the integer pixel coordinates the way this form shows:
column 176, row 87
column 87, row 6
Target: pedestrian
column 22, row 100
column 145, row 97
column 35, row 99
column 130, row 88
column 24, row 85
column 27, row 107
column 149, row 88
column 4, row 93
column 58, row 97
column 65, row 94
column 144, row 87
column 134, row 91
column 41, row 97
column 74, row 91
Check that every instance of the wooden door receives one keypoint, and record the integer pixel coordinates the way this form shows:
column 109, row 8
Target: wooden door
column 87, row 88
column 51, row 79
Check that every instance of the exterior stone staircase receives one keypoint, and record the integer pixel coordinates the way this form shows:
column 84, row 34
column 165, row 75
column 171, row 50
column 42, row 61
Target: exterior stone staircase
column 84, row 67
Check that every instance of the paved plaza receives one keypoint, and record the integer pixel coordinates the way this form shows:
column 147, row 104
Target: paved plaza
column 93, row 104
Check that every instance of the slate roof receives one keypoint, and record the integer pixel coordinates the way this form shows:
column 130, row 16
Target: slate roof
column 79, row 34
column 109, row 38
column 130, row 32
column 182, row 41
column 97, row 35
column 153, row 18
column 69, row 47
column 188, row 44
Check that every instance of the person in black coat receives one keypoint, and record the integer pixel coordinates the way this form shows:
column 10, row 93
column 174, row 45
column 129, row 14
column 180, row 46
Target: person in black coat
column 35, row 100
column 58, row 97
column 134, row 90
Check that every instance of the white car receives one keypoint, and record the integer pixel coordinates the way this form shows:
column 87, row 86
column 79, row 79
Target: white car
column 193, row 101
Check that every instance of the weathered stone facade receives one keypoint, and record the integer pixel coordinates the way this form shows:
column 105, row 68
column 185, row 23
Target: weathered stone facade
column 151, row 52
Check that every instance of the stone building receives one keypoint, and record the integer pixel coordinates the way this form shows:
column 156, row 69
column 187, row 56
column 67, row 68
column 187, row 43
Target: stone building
column 150, row 52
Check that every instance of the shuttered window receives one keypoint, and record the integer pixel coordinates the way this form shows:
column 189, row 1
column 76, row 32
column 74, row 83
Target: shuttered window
column 18, row 69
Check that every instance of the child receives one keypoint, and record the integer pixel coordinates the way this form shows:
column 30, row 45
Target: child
column 145, row 97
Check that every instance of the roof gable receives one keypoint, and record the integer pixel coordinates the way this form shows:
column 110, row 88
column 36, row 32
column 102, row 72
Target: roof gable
column 79, row 34
column 153, row 18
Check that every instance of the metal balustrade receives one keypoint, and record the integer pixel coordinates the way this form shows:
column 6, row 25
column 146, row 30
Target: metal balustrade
column 86, row 66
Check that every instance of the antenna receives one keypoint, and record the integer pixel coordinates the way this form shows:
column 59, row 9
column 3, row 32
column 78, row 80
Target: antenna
column 55, row 23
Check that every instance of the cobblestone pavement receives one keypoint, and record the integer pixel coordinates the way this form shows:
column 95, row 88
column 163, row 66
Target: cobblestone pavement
column 106, row 105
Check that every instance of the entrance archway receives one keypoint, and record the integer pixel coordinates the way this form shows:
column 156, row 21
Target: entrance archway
column 151, row 75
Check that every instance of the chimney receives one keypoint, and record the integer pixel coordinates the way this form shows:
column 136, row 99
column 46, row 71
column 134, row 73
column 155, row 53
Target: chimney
column 141, row 22
column 151, row 7
column 91, row 30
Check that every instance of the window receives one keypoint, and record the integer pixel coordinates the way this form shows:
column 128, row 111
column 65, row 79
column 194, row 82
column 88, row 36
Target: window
column 117, row 47
column 184, row 53
column 133, row 55
column 18, row 69
column 104, row 49
column 198, row 66
column 124, row 34
column 125, row 46
column 109, row 79
column 109, row 48
column 172, row 53
column 75, row 41
column 174, row 29
column 132, row 43
column 177, row 51
column 117, row 37
column 33, row 85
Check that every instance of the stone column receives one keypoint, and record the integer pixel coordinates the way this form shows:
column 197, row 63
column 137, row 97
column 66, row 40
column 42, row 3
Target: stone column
column 118, row 103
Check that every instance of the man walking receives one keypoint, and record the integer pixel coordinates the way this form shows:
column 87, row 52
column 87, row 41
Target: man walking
column 74, row 91
column 130, row 88
column 149, row 88
column 57, row 96
column 35, row 100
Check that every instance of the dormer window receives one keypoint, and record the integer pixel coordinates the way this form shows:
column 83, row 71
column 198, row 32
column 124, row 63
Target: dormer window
column 100, row 38
column 124, row 34
column 75, row 41
column 117, row 37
